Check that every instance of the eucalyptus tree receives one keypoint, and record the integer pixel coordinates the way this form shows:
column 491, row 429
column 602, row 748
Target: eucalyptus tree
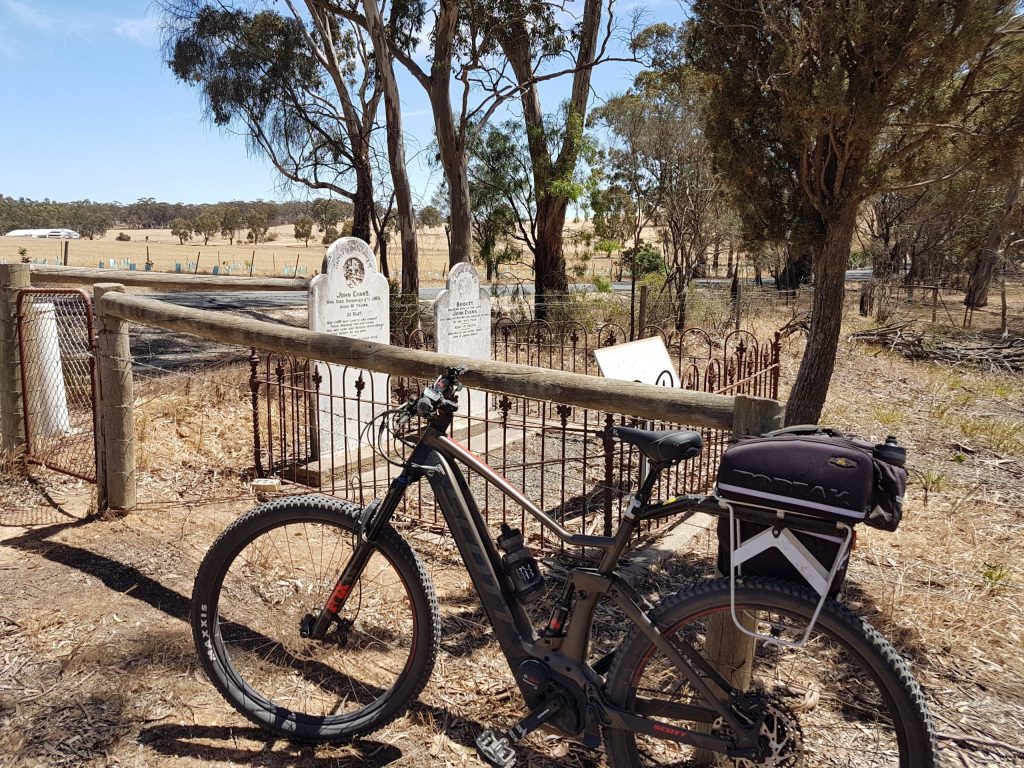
column 304, row 87
column 292, row 87
column 856, row 98
column 480, row 56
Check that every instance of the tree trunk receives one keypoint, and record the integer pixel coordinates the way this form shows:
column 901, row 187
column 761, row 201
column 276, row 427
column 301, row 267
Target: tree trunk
column 550, row 282
column 382, row 243
column 811, row 386
column 985, row 266
column 362, row 204
column 796, row 270
column 460, row 242
column 450, row 138
column 396, row 150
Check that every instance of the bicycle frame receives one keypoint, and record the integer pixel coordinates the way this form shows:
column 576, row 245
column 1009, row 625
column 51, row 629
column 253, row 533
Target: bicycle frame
column 435, row 456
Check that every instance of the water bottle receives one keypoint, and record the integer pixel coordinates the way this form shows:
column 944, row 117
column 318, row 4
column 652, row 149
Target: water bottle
column 891, row 452
column 520, row 565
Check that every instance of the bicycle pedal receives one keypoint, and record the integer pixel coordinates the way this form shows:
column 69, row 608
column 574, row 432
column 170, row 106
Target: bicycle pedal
column 496, row 749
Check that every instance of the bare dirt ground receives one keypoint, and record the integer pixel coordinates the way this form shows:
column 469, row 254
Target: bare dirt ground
column 97, row 666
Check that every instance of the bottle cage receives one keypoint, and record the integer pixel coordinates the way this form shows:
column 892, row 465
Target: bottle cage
column 780, row 537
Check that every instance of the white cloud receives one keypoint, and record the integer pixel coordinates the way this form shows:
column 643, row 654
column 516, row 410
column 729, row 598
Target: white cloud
column 28, row 15
column 144, row 31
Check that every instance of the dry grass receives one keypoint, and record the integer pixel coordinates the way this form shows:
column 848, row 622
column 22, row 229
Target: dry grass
column 97, row 666
column 270, row 258
column 165, row 251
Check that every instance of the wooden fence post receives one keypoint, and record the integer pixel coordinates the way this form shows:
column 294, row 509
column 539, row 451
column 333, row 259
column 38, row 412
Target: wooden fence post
column 730, row 651
column 13, row 277
column 116, row 444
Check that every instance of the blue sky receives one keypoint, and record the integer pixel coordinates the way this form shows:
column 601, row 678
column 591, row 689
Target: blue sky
column 91, row 111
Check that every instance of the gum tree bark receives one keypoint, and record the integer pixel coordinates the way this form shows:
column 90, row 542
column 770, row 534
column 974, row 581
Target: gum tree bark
column 819, row 360
column 985, row 265
column 396, row 149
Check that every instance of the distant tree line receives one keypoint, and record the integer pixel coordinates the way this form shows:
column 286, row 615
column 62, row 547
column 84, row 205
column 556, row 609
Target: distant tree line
column 229, row 219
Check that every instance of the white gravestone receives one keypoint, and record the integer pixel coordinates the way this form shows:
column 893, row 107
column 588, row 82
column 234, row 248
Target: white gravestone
column 462, row 326
column 349, row 299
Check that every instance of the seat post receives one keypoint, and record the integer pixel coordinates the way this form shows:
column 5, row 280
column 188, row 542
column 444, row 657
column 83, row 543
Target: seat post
column 655, row 469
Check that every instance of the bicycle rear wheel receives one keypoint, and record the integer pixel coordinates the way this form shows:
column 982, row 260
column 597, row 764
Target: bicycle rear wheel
column 844, row 700
column 271, row 570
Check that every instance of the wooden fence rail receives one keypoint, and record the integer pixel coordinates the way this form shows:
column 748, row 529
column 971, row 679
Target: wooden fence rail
column 115, row 309
column 633, row 399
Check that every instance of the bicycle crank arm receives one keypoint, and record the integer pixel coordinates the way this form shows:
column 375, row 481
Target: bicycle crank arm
column 496, row 748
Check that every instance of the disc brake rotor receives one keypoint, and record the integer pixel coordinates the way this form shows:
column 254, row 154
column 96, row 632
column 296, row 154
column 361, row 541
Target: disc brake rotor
column 781, row 740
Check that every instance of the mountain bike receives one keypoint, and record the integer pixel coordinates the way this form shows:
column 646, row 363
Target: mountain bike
column 318, row 622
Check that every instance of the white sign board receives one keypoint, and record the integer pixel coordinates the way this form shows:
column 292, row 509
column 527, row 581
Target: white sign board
column 349, row 299
column 646, row 361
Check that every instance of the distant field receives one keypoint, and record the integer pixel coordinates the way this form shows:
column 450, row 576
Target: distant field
column 270, row 258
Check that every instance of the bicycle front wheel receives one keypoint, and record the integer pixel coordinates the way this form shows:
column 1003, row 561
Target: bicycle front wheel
column 844, row 700
column 256, row 591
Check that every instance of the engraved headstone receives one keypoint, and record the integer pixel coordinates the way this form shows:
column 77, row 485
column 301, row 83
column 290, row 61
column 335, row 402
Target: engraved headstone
column 349, row 299
column 462, row 325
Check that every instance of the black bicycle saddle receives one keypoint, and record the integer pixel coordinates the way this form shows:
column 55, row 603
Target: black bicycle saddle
column 663, row 445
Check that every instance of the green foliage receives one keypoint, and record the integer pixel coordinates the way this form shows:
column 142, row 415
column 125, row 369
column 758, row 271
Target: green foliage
column 812, row 110
column 994, row 576
column 181, row 229
column 499, row 187
column 330, row 235
column 932, row 481
column 207, row 225
column 230, row 222
column 304, row 229
column 326, row 213
column 602, row 284
column 503, row 174
column 429, row 216
column 644, row 260
column 122, row 237
column 859, row 259
column 23, row 255
column 257, row 224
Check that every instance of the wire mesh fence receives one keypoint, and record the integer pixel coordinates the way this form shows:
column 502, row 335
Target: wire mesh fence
column 56, row 342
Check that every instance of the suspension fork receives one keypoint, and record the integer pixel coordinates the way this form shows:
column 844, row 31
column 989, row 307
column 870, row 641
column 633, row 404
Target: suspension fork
column 375, row 517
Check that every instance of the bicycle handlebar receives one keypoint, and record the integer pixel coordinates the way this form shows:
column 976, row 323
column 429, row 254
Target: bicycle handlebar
column 442, row 393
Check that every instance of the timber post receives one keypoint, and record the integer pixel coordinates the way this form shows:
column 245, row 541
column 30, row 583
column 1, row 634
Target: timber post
column 115, row 456
column 728, row 649
column 13, row 277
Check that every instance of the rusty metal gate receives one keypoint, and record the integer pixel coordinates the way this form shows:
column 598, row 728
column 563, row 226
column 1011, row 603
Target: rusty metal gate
column 56, row 343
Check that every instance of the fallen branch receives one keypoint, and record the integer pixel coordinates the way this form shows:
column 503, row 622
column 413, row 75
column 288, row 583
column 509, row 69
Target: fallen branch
column 963, row 738
column 1005, row 354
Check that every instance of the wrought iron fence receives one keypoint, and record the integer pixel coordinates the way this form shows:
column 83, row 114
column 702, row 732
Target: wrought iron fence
column 738, row 363
column 309, row 422
column 56, row 343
